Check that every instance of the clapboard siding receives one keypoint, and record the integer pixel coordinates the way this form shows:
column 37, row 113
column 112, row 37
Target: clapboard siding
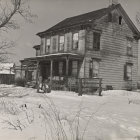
column 113, row 53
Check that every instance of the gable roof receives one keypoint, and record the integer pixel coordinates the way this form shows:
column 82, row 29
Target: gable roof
column 90, row 17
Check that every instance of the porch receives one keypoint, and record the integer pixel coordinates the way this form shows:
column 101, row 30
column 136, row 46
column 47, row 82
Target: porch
column 63, row 71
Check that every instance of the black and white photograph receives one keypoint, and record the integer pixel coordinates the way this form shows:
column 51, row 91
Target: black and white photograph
column 69, row 69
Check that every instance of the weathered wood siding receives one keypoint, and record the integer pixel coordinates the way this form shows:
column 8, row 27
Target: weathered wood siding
column 81, row 69
column 82, row 34
column 113, row 53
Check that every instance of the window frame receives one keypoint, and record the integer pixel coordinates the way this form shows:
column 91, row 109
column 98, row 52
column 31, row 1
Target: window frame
column 73, row 41
column 61, row 43
column 129, row 49
column 48, row 46
column 98, row 48
column 126, row 77
column 92, row 69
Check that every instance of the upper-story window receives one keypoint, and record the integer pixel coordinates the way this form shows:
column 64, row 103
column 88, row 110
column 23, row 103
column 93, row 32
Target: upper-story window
column 48, row 44
column 75, row 40
column 129, row 47
column 96, row 41
column 61, row 43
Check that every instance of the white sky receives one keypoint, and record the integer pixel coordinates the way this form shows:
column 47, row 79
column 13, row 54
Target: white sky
column 49, row 13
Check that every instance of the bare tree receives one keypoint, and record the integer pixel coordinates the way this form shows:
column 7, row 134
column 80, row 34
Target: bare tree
column 9, row 10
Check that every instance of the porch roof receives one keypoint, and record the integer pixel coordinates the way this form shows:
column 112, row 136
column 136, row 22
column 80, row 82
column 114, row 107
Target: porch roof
column 54, row 56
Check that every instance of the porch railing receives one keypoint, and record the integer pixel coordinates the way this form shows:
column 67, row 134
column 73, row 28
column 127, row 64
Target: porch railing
column 79, row 85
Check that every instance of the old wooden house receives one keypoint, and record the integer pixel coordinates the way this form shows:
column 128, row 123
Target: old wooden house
column 100, row 44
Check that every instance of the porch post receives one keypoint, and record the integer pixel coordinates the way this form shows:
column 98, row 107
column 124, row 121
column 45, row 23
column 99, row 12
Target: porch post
column 67, row 66
column 67, row 70
column 21, row 72
column 51, row 72
column 37, row 72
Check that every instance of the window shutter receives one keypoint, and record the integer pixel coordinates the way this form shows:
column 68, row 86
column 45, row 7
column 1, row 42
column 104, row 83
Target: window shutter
column 44, row 45
column 98, row 41
column 41, row 46
column 68, row 42
column 82, row 40
column 54, row 45
column 90, row 69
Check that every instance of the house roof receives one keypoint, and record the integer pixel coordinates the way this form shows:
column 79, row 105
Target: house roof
column 89, row 18
column 36, row 47
column 53, row 56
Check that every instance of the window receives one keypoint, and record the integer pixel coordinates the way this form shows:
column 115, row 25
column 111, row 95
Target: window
column 120, row 20
column 129, row 47
column 94, row 68
column 48, row 44
column 75, row 40
column 74, row 68
column 61, row 43
column 128, row 71
column 60, row 68
column 96, row 41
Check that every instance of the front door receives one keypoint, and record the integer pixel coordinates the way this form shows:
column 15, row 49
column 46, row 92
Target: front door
column 45, row 70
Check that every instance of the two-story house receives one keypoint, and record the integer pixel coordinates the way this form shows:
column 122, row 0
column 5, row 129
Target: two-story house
column 101, row 43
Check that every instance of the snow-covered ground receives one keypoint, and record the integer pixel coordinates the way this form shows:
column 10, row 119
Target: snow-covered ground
column 61, row 115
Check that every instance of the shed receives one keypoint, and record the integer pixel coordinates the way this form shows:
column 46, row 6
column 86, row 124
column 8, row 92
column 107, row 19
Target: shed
column 7, row 74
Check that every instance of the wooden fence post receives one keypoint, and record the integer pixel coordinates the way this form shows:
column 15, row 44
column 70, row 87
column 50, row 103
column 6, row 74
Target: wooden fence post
column 100, row 87
column 80, row 87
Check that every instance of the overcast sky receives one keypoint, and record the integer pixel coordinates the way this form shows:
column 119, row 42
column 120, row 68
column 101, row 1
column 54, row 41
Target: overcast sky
column 49, row 13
